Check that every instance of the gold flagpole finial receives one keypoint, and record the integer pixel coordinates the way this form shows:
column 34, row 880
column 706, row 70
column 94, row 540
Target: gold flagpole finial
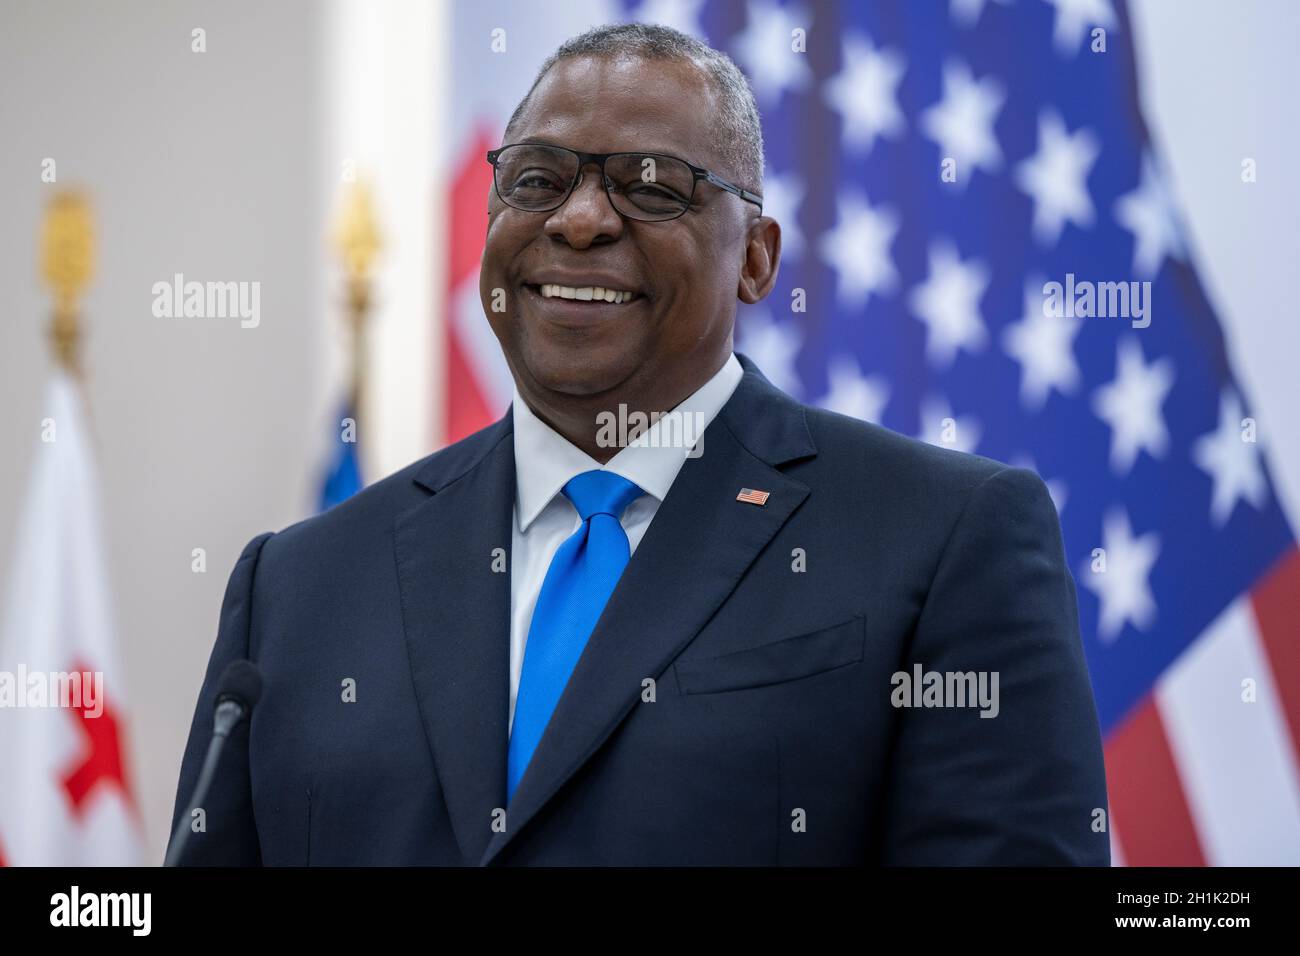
column 356, row 236
column 358, row 243
column 67, row 266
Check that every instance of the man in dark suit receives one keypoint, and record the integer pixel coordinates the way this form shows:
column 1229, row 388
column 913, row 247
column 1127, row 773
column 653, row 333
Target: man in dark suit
column 801, row 639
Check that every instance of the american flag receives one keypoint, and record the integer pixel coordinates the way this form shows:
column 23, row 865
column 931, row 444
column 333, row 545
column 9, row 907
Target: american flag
column 934, row 165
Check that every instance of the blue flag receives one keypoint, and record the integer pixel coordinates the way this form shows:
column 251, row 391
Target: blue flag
column 342, row 478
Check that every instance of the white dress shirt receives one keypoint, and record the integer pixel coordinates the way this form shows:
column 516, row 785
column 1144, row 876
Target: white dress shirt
column 545, row 462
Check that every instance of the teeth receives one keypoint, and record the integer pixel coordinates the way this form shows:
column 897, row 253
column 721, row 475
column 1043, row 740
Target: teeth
column 586, row 293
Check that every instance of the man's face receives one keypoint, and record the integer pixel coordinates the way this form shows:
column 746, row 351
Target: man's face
column 686, row 273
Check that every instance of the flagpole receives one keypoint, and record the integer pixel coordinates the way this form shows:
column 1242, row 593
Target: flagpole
column 357, row 242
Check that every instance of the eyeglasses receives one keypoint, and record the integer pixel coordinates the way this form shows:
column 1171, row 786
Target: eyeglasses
column 649, row 187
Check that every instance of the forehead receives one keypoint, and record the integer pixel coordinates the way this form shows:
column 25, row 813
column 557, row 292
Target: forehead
column 607, row 105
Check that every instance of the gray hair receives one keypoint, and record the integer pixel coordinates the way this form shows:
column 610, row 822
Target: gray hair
column 739, row 130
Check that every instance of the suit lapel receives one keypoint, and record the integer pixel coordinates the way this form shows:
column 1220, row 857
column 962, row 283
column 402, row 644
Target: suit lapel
column 695, row 551
column 456, row 613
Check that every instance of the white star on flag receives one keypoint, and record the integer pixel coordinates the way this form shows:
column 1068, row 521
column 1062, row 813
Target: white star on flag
column 939, row 426
column 1074, row 17
column 1232, row 463
column 1056, row 177
column 782, row 195
column 948, row 303
column 852, row 393
column 962, row 122
column 858, row 249
column 1148, row 213
column 1130, row 405
column 772, row 346
column 764, row 50
column 865, row 92
column 1124, row 588
column 1043, row 344
column 967, row 12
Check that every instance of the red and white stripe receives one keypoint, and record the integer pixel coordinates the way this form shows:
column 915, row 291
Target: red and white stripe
column 1197, row 774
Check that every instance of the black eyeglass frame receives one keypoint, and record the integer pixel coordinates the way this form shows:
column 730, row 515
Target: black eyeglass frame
column 699, row 172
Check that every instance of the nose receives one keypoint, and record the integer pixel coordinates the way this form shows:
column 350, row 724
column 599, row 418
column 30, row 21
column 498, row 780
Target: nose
column 587, row 217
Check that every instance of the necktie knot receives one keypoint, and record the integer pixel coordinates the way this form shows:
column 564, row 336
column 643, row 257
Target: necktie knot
column 601, row 492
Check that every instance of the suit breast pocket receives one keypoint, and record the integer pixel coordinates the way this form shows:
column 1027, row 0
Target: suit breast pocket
column 776, row 662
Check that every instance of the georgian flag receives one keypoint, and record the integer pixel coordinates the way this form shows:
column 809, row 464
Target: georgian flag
column 65, row 791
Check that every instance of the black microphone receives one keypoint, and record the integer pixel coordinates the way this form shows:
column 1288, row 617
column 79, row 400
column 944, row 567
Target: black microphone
column 238, row 692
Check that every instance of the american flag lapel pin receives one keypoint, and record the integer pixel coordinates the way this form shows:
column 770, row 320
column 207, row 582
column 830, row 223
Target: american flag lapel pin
column 752, row 496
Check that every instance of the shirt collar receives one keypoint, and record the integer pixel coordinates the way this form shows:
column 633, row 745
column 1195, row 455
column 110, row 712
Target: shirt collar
column 545, row 461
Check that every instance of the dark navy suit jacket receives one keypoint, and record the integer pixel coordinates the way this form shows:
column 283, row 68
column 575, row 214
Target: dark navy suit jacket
column 732, row 706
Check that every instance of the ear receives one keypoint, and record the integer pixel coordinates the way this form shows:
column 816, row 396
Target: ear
column 762, row 259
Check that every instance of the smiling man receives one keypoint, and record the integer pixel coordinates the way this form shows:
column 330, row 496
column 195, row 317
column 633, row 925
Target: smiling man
column 802, row 640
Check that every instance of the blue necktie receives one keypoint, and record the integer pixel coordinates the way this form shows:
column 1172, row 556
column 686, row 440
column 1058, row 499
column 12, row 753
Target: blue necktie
column 582, row 576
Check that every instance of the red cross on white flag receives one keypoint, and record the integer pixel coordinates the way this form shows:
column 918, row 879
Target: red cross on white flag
column 67, row 798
